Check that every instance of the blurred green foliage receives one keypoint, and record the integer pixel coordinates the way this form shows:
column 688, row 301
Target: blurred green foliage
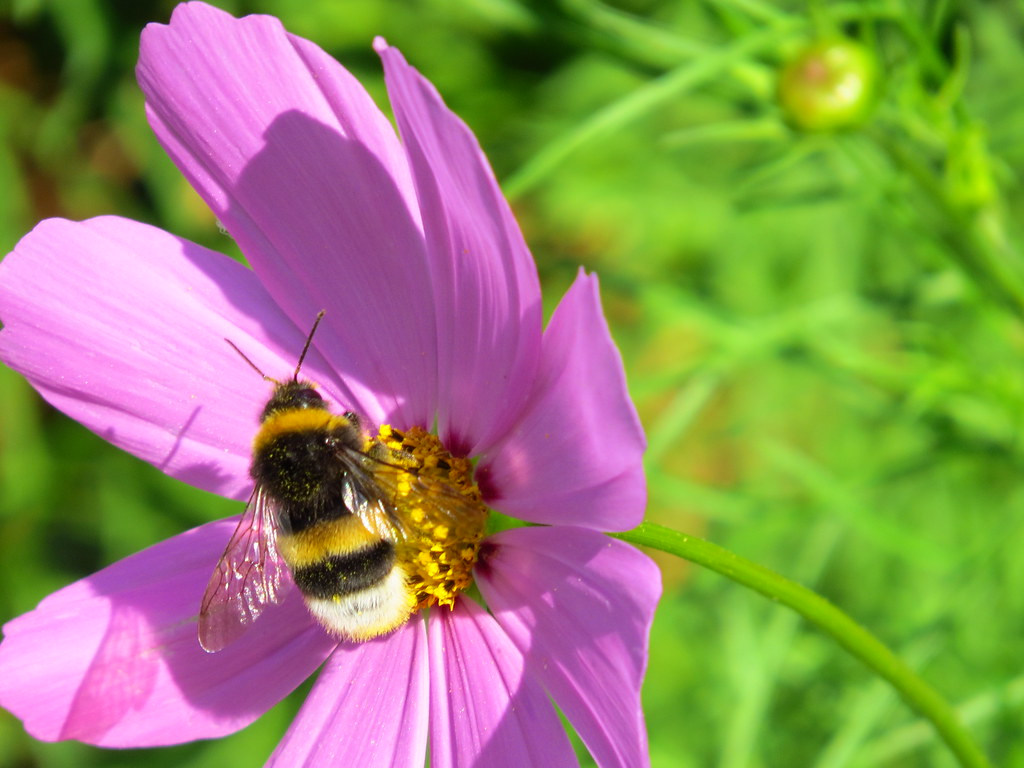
column 823, row 332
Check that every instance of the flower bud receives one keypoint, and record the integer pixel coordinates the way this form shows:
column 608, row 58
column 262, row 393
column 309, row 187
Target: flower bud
column 829, row 85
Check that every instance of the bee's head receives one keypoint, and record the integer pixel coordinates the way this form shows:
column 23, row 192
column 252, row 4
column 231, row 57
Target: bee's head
column 292, row 395
column 289, row 395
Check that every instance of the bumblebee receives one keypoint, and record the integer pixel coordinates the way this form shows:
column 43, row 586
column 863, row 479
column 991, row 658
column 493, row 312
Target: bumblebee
column 369, row 528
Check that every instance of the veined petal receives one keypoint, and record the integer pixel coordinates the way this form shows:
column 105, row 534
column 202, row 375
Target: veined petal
column 485, row 708
column 579, row 606
column 575, row 457
column 122, row 326
column 485, row 281
column 114, row 659
column 368, row 708
column 308, row 176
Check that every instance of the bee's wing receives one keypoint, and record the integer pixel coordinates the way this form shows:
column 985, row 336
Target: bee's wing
column 248, row 577
column 398, row 503
column 366, row 498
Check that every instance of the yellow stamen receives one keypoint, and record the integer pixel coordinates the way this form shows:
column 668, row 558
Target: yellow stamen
column 440, row 498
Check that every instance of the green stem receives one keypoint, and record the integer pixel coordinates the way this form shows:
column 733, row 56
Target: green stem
column 970, row 247
column 617, row 115
column 819, row 611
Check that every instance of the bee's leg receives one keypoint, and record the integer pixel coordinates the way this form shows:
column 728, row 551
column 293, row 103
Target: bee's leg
column 386, row 448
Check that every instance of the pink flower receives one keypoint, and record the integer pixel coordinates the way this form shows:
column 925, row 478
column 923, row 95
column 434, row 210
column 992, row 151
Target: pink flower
column 433, row 318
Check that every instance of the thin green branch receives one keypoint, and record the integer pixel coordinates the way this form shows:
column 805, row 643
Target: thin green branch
column 854, row 638
column 617, row 115
column 981, row 254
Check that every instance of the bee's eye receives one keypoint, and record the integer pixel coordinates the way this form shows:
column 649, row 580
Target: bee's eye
column 298, row 396
column 308, row 398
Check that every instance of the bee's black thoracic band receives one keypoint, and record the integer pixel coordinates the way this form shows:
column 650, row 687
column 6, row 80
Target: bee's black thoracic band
column 306, row 473
column 348, row 573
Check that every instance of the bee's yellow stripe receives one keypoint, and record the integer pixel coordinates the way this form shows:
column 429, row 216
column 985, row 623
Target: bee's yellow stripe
column 296, row 420
column 337, row 537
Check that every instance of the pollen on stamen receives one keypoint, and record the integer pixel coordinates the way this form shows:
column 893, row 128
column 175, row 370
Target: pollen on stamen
column 442, row 500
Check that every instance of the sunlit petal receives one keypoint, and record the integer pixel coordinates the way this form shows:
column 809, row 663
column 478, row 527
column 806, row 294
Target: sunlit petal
column 579, row 606
column 485, row 708
column 123, row 326
column 114, row 659
column 485, row 282
column 313, row 185
column 368, row 707
column 575, row 457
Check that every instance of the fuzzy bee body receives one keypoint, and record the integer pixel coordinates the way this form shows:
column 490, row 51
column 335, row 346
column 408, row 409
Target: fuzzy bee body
column 346, row 518
column 316, row 467
column 318, row 511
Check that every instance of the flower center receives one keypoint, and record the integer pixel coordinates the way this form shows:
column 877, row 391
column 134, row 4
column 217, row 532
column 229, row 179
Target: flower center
column 447, row 513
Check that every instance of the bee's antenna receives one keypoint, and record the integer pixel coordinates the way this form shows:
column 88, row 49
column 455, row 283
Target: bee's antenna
column 309, row 340
column 250, row 362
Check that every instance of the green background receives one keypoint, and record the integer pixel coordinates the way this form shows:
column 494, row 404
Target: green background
column 823, row 332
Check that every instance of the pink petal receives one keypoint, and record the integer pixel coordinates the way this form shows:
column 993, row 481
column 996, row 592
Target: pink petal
column 308, row 176
column 575, row 457
column 485, row 709
column 368, row 707
column 579, row 605
column 484, row 279
column 122, row 327
column 114, row 659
